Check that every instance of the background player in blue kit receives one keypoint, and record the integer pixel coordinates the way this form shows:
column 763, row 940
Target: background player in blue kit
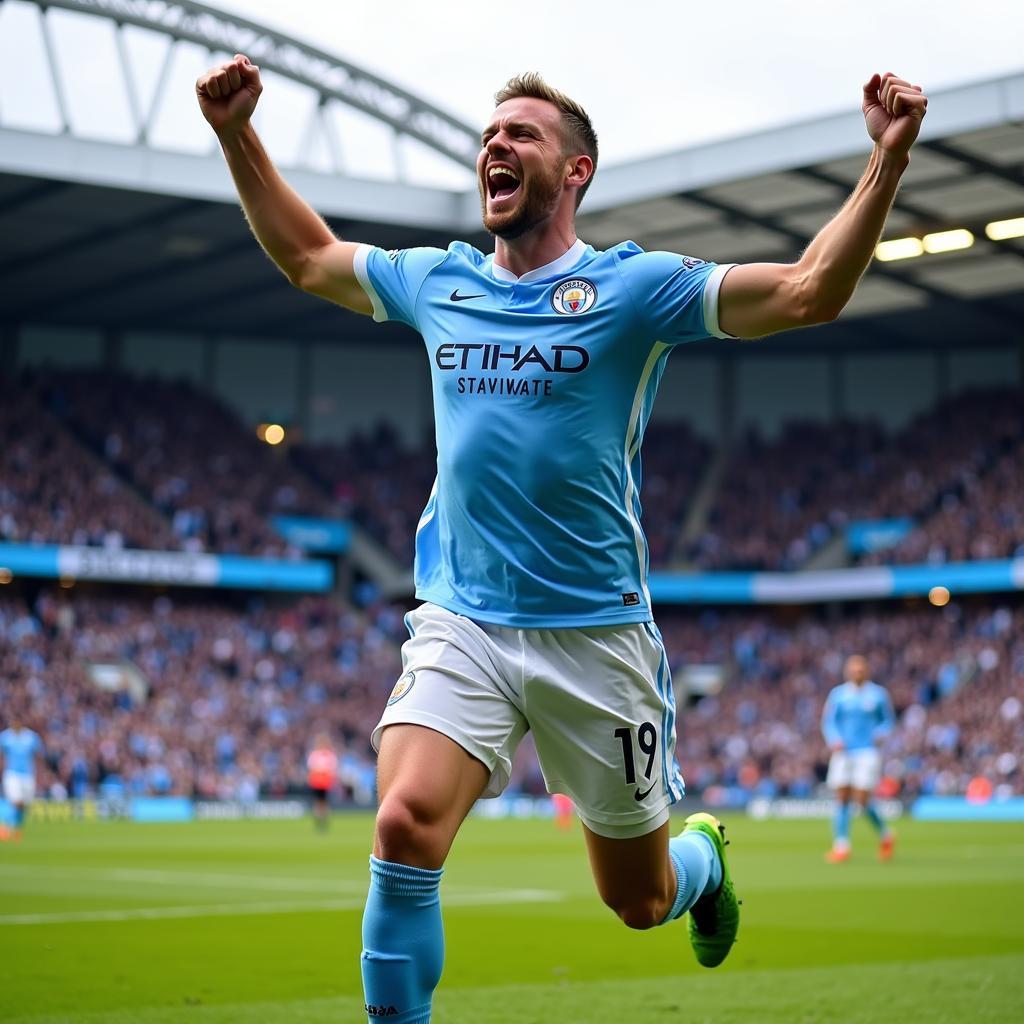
column 858, row 714
column 545, row 357
column 20, row 749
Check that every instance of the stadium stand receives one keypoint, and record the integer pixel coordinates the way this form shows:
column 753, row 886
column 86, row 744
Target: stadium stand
column 231, row 697
column 235, row 694
column 781, row 500
column 187, row 453
column 54, row 490
column 376, row 481
column 951, row 675
column 980, row 516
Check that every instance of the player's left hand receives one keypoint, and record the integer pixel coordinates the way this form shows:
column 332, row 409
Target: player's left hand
column 893, row 112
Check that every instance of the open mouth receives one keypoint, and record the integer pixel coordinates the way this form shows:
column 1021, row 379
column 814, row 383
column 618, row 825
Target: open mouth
column 502, row 182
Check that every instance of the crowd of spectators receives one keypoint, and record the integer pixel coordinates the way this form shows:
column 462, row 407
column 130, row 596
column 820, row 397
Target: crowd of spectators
column 981, row 516
column 52, row 490
column 383, row 485
column 175, row 468
column 781, row 500
column 208, row 474
column 954, row 675
column 236, row 694
column 376, row 481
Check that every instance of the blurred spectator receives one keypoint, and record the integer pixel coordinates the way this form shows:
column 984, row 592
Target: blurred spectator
column 780, row 501
column 199, row 465
column 53, row 491
column 237, row 695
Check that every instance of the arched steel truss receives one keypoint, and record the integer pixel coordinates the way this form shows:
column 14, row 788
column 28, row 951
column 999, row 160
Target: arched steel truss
column 329, row 76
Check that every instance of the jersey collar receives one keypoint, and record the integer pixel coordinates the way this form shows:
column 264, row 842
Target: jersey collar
column 564, row 263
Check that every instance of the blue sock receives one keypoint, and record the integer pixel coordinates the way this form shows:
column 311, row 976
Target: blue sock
column 698, row 870
column 403, row 942
column 871, row 813
column 841, row 829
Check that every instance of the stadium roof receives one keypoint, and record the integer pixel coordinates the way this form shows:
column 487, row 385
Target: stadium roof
column 127, row 235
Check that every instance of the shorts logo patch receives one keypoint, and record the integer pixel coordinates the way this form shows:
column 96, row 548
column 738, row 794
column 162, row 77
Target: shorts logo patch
column 631, row 599
column 574, row 296
column 691, row 261
column 402, row 687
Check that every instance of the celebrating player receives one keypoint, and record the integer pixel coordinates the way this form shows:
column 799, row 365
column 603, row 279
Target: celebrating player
column 858, row 713
column 545, row 357
column 20, row 749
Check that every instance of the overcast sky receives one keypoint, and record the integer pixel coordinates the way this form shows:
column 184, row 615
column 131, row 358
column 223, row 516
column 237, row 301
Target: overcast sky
column 658, row 74
column 654, row 74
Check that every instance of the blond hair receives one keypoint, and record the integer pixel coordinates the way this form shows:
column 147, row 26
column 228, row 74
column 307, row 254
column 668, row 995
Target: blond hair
column 578, row 135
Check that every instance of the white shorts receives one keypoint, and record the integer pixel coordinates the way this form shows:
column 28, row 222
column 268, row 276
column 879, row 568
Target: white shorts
column 860, row 769
column 598, row 700
column 19, row 788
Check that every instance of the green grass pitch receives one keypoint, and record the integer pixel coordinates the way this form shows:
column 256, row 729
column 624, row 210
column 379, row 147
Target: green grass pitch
column 258, row 922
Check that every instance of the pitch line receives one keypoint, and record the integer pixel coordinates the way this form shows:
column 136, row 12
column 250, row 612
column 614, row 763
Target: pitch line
column 456, row 899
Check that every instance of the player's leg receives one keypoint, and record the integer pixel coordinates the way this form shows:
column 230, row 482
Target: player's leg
column 839, row 780
column 7, row 816
column 867, row 775
column 652, row 879
column 446, row 738
column 427, row 785
column 601, row 709
column 18, row 790
column 841, row 826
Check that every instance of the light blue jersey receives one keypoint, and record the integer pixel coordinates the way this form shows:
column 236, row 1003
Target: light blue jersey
column 19, row 749
column 543, row 386
column 857, row 716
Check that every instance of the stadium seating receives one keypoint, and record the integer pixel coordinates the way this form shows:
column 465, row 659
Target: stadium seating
column 781, row 500
column 192, row 458
column 53, row 490
column 237, row 693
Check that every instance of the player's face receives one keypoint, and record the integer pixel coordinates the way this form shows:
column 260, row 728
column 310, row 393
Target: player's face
column 521, row 166
column 856, row 669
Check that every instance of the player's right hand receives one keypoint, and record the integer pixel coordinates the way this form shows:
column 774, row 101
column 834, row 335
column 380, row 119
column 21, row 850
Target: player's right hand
column 228, row 94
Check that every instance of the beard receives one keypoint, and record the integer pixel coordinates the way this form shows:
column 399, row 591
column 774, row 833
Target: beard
column 537, row 201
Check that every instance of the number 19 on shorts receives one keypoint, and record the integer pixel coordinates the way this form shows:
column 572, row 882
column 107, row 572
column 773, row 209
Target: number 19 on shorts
column 643, row 749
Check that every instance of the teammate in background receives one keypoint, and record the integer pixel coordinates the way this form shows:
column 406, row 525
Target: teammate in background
column 545, row 358
column 322, row 766
column 20, row 749
column 858, row 714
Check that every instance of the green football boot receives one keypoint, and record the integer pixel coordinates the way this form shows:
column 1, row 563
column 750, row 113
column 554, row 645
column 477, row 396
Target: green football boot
column 715, row 917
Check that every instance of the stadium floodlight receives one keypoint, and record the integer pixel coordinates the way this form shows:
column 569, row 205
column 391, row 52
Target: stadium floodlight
column 898, row 249
column 948, row 241
column 1000, row 230
column 5, row 574
column 939, row 596
column 271, row 433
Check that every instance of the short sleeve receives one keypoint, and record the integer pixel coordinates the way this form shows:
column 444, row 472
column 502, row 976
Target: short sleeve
column 392, row 279
column 676, row 295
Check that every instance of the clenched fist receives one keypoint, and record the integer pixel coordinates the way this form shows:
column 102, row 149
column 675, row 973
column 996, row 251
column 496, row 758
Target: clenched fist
column 228, row 94
column 893, row 111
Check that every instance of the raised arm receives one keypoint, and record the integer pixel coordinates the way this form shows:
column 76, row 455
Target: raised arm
column 293, row 235
column 756, row 299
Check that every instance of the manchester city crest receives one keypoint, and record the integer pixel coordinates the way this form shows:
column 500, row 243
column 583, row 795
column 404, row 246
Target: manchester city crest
column 402, row 687
column 573, row 296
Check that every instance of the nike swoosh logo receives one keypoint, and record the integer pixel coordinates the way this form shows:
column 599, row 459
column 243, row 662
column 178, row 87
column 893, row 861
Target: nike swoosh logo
column 456, row 297
column 638, row 796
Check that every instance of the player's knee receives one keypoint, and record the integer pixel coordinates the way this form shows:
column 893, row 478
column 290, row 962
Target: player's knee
column 406, row 831
column 641, row 914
